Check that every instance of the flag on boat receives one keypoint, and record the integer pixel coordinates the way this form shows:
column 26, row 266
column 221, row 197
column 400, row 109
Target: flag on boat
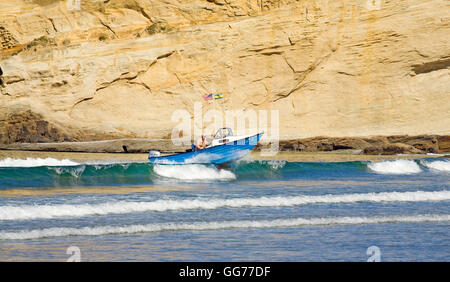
column 208, row 97
column 218, row 96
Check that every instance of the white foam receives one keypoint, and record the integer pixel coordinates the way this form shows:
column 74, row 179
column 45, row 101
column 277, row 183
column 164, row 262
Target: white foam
column 437, row 165
column 202, row 158
column 55, row 211
column 206, row 157
column 34, row 162
column 395, row 167
column 193, row 172
column 247, row 158
column 202, row 226
column 439, row 155
column 74, row 171
column 276, row 164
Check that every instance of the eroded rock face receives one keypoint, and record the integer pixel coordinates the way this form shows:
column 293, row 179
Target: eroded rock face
column 28, row 127
column 444, row 143
column 119, row 69
column 375, row 145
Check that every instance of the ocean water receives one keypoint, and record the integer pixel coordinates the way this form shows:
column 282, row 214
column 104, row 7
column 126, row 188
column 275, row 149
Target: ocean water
column 59, row 210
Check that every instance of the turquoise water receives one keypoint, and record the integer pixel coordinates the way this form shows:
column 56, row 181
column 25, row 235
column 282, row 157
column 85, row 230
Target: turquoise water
column 249, row 210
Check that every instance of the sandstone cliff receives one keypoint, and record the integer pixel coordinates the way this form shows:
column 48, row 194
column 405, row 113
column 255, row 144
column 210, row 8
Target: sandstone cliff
column 118, row 68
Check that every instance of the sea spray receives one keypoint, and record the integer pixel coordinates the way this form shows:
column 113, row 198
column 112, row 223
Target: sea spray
column 395, row 167
column 437, row 165
column 193, row 172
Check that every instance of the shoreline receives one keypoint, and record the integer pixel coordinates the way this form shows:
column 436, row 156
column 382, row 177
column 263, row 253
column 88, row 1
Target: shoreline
column 341, row 156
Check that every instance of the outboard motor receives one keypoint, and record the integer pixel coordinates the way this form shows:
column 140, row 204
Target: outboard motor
column 154, row 154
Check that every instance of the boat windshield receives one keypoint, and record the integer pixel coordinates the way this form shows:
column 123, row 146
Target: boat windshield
column 223, row 132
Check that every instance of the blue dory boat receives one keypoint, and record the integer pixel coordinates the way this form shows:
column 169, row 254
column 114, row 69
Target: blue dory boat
column 224, row 148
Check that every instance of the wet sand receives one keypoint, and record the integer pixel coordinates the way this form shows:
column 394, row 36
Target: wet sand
column 343, row 156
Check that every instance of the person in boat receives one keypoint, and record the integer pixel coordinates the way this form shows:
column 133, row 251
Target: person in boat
column 201, row 143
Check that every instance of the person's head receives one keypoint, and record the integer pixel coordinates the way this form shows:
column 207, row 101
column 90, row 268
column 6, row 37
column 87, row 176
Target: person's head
column 203, row 137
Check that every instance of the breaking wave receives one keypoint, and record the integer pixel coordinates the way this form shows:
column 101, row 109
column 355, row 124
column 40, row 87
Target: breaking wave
column 193, row 172
column 395, row 167
column 122, row 207
column 215, row 225
column 51, row 172
column 437, row 165
column 36, row 162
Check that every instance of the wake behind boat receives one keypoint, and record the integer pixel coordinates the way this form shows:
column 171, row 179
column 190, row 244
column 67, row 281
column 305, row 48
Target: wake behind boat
column 224, row 148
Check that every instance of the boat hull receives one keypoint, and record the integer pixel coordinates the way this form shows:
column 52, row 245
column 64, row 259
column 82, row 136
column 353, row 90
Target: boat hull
column 220, row 154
